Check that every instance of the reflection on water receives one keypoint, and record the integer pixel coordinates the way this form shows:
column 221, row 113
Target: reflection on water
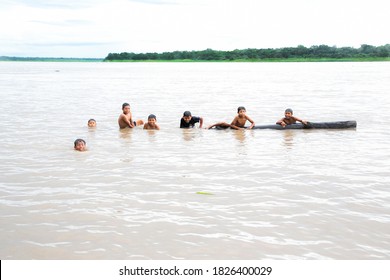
column 189, row 134
column 126, row 133
column 240, row 135
column 152, row 135
column 140, row 194
column 288, row 138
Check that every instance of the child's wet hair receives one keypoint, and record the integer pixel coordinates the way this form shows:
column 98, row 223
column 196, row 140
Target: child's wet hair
column 124, row 105
column 187, row 114
column 151, row 116
column 288, row 110
column 78, row 141
column 240, row 108
column 91, row 120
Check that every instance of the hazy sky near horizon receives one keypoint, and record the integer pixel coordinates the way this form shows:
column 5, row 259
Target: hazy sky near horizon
column 94, row 28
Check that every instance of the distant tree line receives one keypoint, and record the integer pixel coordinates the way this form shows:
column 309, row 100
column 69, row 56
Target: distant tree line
column 300, row 52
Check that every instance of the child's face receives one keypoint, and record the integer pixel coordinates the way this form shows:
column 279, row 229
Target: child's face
column 152, row 121
column 187, row 118
column 126, row 109
column 91, row 123
column 80, row 146
column 288, row 115
column 241, row 113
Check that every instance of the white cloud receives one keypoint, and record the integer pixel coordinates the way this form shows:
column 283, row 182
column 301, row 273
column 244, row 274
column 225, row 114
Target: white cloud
column 89, row 28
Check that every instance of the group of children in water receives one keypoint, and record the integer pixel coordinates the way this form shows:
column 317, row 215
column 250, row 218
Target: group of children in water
column 125, row 120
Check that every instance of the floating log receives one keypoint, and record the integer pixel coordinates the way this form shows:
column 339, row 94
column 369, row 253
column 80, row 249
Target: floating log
column 311, row 125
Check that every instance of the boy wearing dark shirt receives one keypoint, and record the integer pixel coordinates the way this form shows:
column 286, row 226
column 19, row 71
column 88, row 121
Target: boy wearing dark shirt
column 188, row 121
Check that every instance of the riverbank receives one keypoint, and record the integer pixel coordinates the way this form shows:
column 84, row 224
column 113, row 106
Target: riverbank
column 366, row 59
column 294, row 54
column 50, row 59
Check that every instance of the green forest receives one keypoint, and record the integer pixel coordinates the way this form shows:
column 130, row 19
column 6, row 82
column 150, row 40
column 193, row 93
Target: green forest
column 300, row 53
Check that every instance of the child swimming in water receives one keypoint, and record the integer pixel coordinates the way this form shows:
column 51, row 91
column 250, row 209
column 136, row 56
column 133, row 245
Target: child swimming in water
column 151, row 124
column 126, row 119
column 80, row 145
column 188, row 121
column 238, row 122
column 91, row 123
column 289, row 118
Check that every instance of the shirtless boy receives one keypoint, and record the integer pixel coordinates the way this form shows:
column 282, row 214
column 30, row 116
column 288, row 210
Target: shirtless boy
column 238, row 122
column 151, row 124
column 126, row 119
column 289, row 119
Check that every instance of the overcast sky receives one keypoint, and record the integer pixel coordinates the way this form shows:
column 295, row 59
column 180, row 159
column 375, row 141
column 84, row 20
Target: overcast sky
column 94, row 28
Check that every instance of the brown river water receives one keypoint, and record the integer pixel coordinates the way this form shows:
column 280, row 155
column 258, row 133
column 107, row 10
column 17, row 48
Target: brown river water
column 193, row 194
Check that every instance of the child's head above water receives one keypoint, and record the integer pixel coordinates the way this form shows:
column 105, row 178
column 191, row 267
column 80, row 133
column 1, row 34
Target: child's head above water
column 91, row 123
column 80, row 145
column 126, row 108
column 187, row 116
column 152, row 117
column 152, row 120
column 241, row 108
column 288, row 112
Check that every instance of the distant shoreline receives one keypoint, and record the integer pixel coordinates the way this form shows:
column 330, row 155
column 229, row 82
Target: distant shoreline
column 366, row 59
column 49, row 59
column 293, row 54
column 321, row 53
column 86, row 60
